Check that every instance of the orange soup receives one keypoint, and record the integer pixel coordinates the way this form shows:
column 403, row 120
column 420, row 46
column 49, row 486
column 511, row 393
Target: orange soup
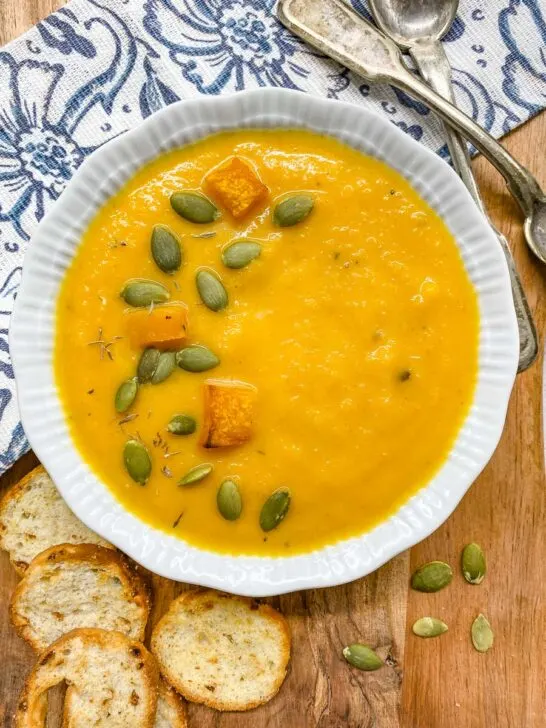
column 342, row 354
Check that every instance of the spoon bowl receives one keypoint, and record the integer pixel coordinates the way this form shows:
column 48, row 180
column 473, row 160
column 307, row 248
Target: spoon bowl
column 408, row 21
column 535, row 229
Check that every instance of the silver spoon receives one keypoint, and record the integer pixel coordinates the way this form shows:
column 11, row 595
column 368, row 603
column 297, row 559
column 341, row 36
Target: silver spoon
column 416, row 26
column 338, row 32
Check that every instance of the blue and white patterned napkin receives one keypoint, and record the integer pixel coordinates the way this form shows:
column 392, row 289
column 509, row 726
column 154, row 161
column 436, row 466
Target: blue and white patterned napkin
column 98, row 67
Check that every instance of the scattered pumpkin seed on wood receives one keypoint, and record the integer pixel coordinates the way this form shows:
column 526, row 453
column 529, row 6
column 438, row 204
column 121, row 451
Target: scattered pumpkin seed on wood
column 149, row 359
column 431, row 577
column 274, row 510
column 166, row 249
column 194, row 207
column 229, row 501
column 140, row 292
column 362, row 657
column 182, row 425
column 211, row 290
column 165, row 367
column 293, row 209
column 473, row 563
column 137, row 461
column 196, row 358
column 196, row 474
column 240, row 253
column 482, row 634
column 126, row 395
column 429, row 627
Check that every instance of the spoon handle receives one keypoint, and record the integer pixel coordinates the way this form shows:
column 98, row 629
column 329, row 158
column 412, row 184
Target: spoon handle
column 432, row 62
column 337, row 31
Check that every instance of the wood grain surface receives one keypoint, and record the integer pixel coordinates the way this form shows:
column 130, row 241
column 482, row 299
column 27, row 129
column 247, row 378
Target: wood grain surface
column 440, row 683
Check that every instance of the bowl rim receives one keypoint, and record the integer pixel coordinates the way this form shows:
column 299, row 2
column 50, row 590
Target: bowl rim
column 51, row 250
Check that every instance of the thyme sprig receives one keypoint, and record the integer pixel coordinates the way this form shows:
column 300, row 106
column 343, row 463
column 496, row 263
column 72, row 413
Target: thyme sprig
column 104, row 346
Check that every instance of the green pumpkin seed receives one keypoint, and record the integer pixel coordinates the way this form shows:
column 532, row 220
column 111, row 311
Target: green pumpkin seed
column 211, row 290
column 293, row 210
column 182, row 425
column 362, row 657
column 166, row 249
column 431, row 577
column 482, row 634
column 165, row 367
column 195, row 207
column 137, row 461
column 275, row 509
column 196, row 358
column 126, row 395
column 229, row 501
column 429, row 627
column 149, row 359
column 473, row 563
column 240, row 253
column 140, row 292
column 196, row 474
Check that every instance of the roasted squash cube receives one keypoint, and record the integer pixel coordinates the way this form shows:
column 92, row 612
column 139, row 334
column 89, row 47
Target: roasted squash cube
column 236, row 187
column 229, row 412
column 164, row 327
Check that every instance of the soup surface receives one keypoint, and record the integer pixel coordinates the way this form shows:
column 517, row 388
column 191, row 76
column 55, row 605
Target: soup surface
column 358, row 327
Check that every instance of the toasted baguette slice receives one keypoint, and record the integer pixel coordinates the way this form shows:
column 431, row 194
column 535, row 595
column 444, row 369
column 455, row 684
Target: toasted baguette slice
column 227, row 652
column 112, row 682
column 33, row 517
column 171, row 709
column 67, row 587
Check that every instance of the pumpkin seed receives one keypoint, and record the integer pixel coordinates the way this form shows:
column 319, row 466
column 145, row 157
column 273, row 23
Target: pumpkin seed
column 274, row 509
column 362, row 657
column 473, row 563
column 165, row 367
column 196, row 358
column 149, row 359
column 140, row 292
column 431, row 577
column 137, row 461
column 166, row 249
column 429, row 627
column 482, row 634
column 229, row 501
column 196, row 474
column 293, row 210
column 211, row 290
column 195, row 207
column 125, row 395
column 240, row 253
column 182, row 425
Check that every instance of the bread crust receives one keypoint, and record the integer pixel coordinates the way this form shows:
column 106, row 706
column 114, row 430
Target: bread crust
column 13, row 494
column 108, row 560
column 176, row 703
column 32, row 706
column 198, row 600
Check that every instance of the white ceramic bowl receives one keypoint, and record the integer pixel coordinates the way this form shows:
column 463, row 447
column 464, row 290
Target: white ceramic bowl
column 55, row 243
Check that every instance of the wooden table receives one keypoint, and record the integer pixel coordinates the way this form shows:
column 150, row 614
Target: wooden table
column 439, row 683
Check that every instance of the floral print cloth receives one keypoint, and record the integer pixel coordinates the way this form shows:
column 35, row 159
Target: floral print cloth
column 96, row 68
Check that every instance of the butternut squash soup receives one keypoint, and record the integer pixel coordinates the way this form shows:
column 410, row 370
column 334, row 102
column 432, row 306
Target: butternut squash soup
column 266, row 342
